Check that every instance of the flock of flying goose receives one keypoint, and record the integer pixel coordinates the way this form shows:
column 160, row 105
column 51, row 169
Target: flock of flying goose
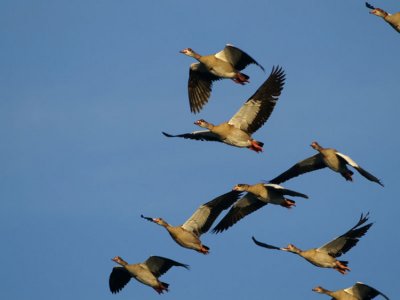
column 244, row 199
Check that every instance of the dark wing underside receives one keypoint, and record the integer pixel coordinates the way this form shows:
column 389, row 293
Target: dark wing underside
column 312, row 163
column 348, row 240
column 119, row 277
column 363, row 291
column 238, row 58
column 158, row 265
column 258, row 243
column 199, row 86
column 239, row 210
column 204, row 135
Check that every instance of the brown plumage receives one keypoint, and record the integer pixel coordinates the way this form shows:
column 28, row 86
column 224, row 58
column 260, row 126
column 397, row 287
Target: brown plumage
column 326, row 157
column 250, row 117
column 392, row 19
column 358, row 291
column 188, row 234
column 225, row 64
column 325, row 256
column 257, row 196
column 146, row 273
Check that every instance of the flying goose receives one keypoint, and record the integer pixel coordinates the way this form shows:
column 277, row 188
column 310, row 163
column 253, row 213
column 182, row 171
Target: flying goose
column 188, row 234
column 146, row 273
column 359, row 291
column 392, row 19
column 256, row 197
column 225, row 64
column 326, row 157
column 325, row 256
column 250, row 117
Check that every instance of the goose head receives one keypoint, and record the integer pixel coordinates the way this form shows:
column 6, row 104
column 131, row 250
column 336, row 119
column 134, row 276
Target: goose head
column 320, row 289
column 204, row 124
column 316, row 146
column 291, row 248
column 241, row 187
column 119, row 260
column 379, row 12
column 188, row 52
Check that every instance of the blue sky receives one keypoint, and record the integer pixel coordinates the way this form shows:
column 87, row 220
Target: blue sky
column 87, row 88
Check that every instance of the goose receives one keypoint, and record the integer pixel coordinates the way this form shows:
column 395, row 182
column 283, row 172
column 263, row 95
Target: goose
column 392, row 19
column 326, row 157
column 358, row 291
column 188, row 234
column 225, row 64
column 325, row 256
column 257, row 196
column 146, row 272
column 250, row 117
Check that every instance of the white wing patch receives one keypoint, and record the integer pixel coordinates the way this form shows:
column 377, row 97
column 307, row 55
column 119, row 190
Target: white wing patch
column 348, row 160
column 275, row 186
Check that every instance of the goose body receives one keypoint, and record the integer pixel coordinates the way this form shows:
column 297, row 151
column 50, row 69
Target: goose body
column 257, row 196
column 225, row 64
column 326, row 157
column 251, row 116
column 326, row 255
column 146, row 273
column 392, row 19
column 188, row 234
column 358, row 291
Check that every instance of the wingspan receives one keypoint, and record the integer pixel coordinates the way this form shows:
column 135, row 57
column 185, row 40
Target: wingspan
column 203, row 135
column 202, row 219
column 238, row 58
column 245, row 206
column 348, row 240
column 312, row 163
column 158, row 265
column 199, row 86
column 258, row 108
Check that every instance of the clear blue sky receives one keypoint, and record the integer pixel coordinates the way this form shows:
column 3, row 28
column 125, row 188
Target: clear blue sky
column 88, row 86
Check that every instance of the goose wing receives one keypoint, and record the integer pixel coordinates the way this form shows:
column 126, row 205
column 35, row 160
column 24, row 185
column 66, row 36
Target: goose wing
column 258, row 243
column 202, row 219
column 363, row 291
column 158, row 265
column 199, row 86
column 258, row 108
column 360, row 170
column 202, row 135
column 245, row 206
column 285, row 191
column 312, row 163
column 119, row 277
column 348, row 240
column 238, row 58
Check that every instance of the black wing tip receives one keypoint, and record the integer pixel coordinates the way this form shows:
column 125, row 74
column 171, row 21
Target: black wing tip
column 167, row 134
column 369, row 5
column 146, row 218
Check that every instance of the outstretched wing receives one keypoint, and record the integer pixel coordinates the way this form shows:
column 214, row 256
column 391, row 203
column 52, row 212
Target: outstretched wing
column 258, row 243
column 245, row 206
column 363, row 291
column 360, row 170
column 285, row 191
column 199, row 86
column 238, row 58
column 348, row 240
column 119, row 277
column 312, row 163
column 202, row 219
column 258, row 108
column 158, row 265
column 203, row 135
column 369, row 5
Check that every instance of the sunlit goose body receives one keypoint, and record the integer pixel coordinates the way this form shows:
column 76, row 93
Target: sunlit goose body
column 326, row 157
column 188, row 234
column 325, row 256
column 250, row 117
column 146, row 273
column 256, row 197
column 392, row 19
column 225, row 64
column 359, row 291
